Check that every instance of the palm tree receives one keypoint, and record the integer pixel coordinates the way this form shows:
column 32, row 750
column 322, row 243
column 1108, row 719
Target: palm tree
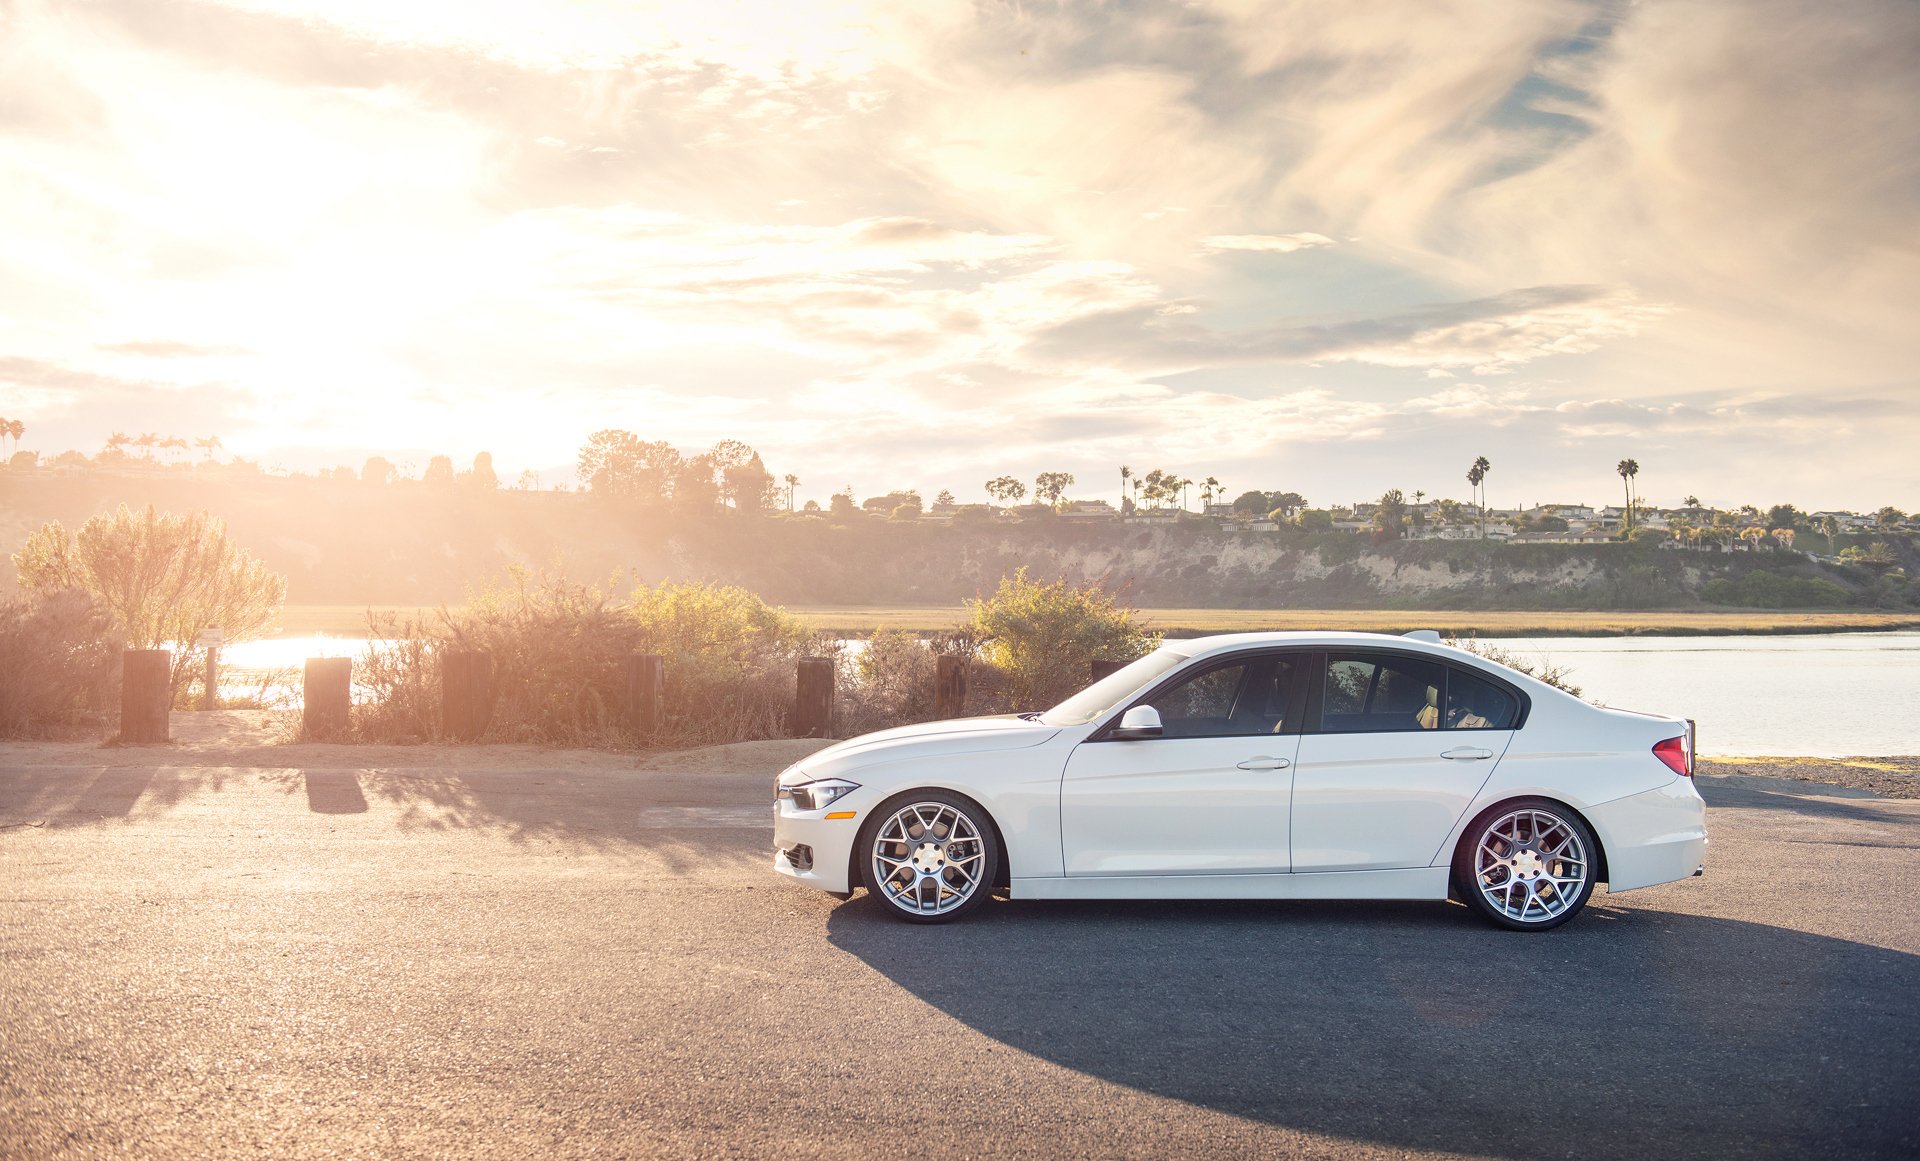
column 793, row 482
column 146, row 441
column 1628, row 469
column 173, row 442
column 209, row 445
column 1126, row 473
column 1693, row 501
column 6, row 427
column 1477, row 475
column 1209, row 487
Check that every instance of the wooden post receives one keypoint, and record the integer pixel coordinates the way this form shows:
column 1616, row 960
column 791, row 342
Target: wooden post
column 1099, row 668
column 146, row 695
column 212, row 700
column 466, row 694
column 813, row 698
column 326, row 693
column 949, row 687
column 645, row 690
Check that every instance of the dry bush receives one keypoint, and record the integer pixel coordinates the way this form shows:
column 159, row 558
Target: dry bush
column 1042, row 637
column 1554, row 675
column 59, row 666
column 888, row 683
column 558, row 651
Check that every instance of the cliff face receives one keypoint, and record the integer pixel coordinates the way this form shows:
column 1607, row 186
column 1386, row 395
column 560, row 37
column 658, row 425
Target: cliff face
column 343, row 542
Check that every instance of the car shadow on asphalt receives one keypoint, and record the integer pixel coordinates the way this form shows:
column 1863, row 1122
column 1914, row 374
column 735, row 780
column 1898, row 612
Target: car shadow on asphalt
column 1416, row 1026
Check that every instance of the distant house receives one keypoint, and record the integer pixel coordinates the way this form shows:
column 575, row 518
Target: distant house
column 1088, row 510
column 1568, row 512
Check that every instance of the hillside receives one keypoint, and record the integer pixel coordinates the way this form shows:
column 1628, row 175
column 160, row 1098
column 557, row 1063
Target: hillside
column 345, row 542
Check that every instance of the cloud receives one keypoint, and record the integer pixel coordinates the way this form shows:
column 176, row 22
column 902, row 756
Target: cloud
column 1263, row 243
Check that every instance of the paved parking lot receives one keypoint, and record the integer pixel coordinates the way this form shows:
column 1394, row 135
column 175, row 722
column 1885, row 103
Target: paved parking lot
column 328, row 960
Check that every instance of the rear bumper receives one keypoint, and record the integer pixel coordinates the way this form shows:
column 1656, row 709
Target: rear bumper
column 828, row 844
column 1656, row 837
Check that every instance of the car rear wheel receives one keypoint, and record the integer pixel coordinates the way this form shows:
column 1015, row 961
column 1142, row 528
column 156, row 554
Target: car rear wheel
column 1527, row 865
column 929, row 856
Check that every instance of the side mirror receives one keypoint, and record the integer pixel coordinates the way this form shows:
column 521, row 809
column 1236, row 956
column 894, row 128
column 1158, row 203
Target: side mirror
column 1142, row 721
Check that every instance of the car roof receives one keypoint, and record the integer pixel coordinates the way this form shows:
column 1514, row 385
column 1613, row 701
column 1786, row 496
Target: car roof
column 1218, row 642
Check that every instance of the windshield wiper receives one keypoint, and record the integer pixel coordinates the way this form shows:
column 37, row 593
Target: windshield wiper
column 1030, row 716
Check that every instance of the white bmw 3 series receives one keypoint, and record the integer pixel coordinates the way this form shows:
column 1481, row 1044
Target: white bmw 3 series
column 1260, row 766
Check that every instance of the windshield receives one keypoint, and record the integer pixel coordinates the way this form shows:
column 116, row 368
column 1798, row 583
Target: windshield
column 1111, row 690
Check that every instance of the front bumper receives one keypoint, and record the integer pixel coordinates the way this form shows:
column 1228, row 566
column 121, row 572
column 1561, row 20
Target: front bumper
column 829, row 842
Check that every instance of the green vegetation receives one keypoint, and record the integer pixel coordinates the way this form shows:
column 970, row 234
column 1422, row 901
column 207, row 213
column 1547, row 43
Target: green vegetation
column 1042, row 636
column 162, row 578
column 62, row 665
column 1767, row 590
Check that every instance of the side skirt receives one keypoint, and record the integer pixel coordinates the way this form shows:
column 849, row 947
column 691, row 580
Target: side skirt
column 1417, row 883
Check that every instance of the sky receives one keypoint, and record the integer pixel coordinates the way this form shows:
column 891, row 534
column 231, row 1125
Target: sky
column 1325, row 247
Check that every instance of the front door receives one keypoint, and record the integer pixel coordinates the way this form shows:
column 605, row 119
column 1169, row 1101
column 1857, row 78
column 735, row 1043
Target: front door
column 1403, row 745
column 1210, row 796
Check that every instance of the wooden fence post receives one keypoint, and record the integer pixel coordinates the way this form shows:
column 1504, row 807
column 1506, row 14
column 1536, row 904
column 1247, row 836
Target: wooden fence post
column 326, row 693
column 1099, row 668
column 645, row 690
column 212, row 700
column 146, row 695
column 949, row 687
column 466, row 694
column 813, row 698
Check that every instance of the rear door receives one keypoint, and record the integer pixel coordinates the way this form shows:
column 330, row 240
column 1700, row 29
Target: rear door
column 1396, row 746
column 1210, row 796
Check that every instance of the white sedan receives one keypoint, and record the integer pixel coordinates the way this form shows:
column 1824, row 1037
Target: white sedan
column 1260, row 766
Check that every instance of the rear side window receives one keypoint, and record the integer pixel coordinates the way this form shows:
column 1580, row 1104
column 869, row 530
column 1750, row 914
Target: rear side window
column 1368, row 693
column 1474, row 703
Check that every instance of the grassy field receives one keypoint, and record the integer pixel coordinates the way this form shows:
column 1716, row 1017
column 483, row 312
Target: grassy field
column 351, row 621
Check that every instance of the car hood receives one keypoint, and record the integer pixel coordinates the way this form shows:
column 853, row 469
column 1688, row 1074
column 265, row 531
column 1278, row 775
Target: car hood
column 955, row 736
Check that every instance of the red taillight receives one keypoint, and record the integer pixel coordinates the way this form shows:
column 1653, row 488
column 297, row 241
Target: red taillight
column 1674, row 753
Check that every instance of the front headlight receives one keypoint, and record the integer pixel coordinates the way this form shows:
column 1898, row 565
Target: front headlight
column 818, row 794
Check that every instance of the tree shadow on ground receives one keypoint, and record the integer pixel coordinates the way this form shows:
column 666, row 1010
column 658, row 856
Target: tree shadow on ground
column 686, row 820
column 1816, row 800
column 1415, row 1026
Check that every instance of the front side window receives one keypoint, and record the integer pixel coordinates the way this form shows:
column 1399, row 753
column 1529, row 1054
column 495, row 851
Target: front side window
column 1238, row 699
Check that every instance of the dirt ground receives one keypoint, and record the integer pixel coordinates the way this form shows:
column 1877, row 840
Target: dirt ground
column 1897, row 777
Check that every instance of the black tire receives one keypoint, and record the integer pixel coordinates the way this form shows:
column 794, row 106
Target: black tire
column 913, row 883
column 1538, row 859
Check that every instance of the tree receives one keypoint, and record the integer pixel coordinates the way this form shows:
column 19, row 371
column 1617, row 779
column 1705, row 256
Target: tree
column 118, row 441
column 1477, row 475
column 484, row 477
column 618, row 464
column 944, row 499
column 1126, row 474
column 6, row 428
column 145, row 443
column 749, row 486
column 695, row 487
column 892, row 500
column 841, row 509
column 1785, row 537
column 1051, row 486
column 439, row 472
column 792, row 482
column 1692, row 501
column 1043, row 636
column 1888, row 516
column 1288, row 502
column 1390, row 514
column 1878, row 556
column 208, row 444
column 173, row 443
column 1208, row 487
column 1316, row 520
column 377, row 470
column 1786, row 516
column 1253, row 503
column 1005, row 489
column 1628, row 469
column 162, row 577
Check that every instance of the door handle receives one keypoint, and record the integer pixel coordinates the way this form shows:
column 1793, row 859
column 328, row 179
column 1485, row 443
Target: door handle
column 1264, row 764
column 1466, row 753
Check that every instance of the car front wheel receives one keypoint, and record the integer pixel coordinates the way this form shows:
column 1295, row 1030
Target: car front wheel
column 929, row 856
column 1527, row 865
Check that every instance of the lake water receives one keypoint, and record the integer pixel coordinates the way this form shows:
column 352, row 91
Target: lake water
column 1827, row 695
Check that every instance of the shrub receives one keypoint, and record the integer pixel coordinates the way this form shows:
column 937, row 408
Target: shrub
column 1768, row 590
column 1042, row 637
column 1554, row 675
column 889, row 683
column 59, row 666
column 162, row 577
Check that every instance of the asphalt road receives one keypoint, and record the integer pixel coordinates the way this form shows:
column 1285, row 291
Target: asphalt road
column 337, row 962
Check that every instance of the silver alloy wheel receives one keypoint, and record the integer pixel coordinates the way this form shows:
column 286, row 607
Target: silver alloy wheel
column 928, row 858
column 1530, row 866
